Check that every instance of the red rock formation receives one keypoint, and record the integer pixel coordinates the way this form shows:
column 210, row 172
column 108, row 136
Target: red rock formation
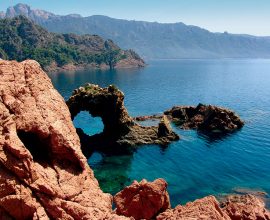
column 235, row 207
column 201, row 209
column 43, row 173
column 143, row 200
column 245, row 207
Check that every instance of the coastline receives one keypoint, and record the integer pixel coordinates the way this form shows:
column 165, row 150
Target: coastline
column 71, row 67
column 56, row 181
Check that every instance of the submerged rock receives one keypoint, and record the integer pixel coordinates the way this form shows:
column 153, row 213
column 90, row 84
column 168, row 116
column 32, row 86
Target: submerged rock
column 119, row 128
column 143, row 200
column 43, row 173
column 207, row 118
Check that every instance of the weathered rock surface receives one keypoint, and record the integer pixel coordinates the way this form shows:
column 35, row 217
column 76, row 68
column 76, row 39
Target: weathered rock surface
column 119, row 128
column 43, row 173
column 235, row 207
column 245, row 207
column 143, row 200
column 201, row 209
column 207, row 118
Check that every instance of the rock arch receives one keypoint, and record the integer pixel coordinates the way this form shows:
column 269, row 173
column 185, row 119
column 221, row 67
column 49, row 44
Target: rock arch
column 106, row 103
column 119, row 128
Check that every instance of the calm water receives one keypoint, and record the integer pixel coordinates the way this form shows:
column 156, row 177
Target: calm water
column 195, row 166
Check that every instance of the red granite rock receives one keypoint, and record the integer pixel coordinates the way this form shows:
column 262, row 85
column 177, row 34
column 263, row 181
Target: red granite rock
column 43, row 173
column 202, row 209
column 143, row 200
column 245, row 207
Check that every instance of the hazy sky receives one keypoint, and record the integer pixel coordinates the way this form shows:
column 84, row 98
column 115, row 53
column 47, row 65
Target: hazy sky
column 234, row 16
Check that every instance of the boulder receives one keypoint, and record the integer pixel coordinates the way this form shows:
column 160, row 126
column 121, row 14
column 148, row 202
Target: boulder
column 143, row 200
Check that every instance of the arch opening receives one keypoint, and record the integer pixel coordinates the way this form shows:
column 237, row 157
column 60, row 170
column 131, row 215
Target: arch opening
column 89, row 124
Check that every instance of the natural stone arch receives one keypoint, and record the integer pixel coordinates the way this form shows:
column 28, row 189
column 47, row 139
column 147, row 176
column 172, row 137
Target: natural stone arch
column 106, row 103
column 119, row 128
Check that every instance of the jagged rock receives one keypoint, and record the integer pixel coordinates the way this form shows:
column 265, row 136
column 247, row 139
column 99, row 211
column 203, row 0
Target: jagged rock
column 143, row 200
column 119, row 128
column 235, row 207
column 148, row 117
column 207, row 118
column 201, row 209
column 43, row 173
column 245, row 207
column 164, row 127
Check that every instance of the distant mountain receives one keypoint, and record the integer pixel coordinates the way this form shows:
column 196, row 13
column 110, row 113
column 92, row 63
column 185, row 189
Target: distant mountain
column 21, row 38
column 151, row 39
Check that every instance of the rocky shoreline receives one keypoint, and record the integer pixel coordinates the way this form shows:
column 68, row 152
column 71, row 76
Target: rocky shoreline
column 128, row 63
column 44, row 175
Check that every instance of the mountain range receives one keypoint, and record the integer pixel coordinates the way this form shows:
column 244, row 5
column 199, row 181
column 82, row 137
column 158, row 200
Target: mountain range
column 151, row 39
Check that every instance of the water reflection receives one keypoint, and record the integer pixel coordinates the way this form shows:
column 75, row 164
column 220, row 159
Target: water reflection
column 212, row 138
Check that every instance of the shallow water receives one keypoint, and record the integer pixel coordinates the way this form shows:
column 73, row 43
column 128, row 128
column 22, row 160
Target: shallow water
column 196, row 165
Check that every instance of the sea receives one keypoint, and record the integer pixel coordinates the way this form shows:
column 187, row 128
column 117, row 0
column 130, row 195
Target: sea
column 197, row 165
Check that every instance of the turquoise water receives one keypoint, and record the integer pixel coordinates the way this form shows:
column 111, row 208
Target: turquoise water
column 196, row 165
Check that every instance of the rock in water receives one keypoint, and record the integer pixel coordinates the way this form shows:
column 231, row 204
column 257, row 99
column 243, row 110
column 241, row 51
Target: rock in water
column 119, row 128
column 107, row 103
column 164, row 127
column 43, row 173
column 143, row 200
column 206, row 118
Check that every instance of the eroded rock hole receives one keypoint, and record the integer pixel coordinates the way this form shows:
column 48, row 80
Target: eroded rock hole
column 39, row 148
column 90, row 125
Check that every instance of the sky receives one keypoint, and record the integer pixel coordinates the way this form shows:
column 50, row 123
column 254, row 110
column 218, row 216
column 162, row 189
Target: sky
column 233, row 16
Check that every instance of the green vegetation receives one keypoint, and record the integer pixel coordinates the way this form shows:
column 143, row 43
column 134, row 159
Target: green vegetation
column 21, row 39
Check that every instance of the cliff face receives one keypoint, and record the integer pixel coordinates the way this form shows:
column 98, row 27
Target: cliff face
column 43, row 172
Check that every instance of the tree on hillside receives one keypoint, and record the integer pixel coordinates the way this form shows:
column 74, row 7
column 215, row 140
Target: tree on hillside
column 111, row 55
